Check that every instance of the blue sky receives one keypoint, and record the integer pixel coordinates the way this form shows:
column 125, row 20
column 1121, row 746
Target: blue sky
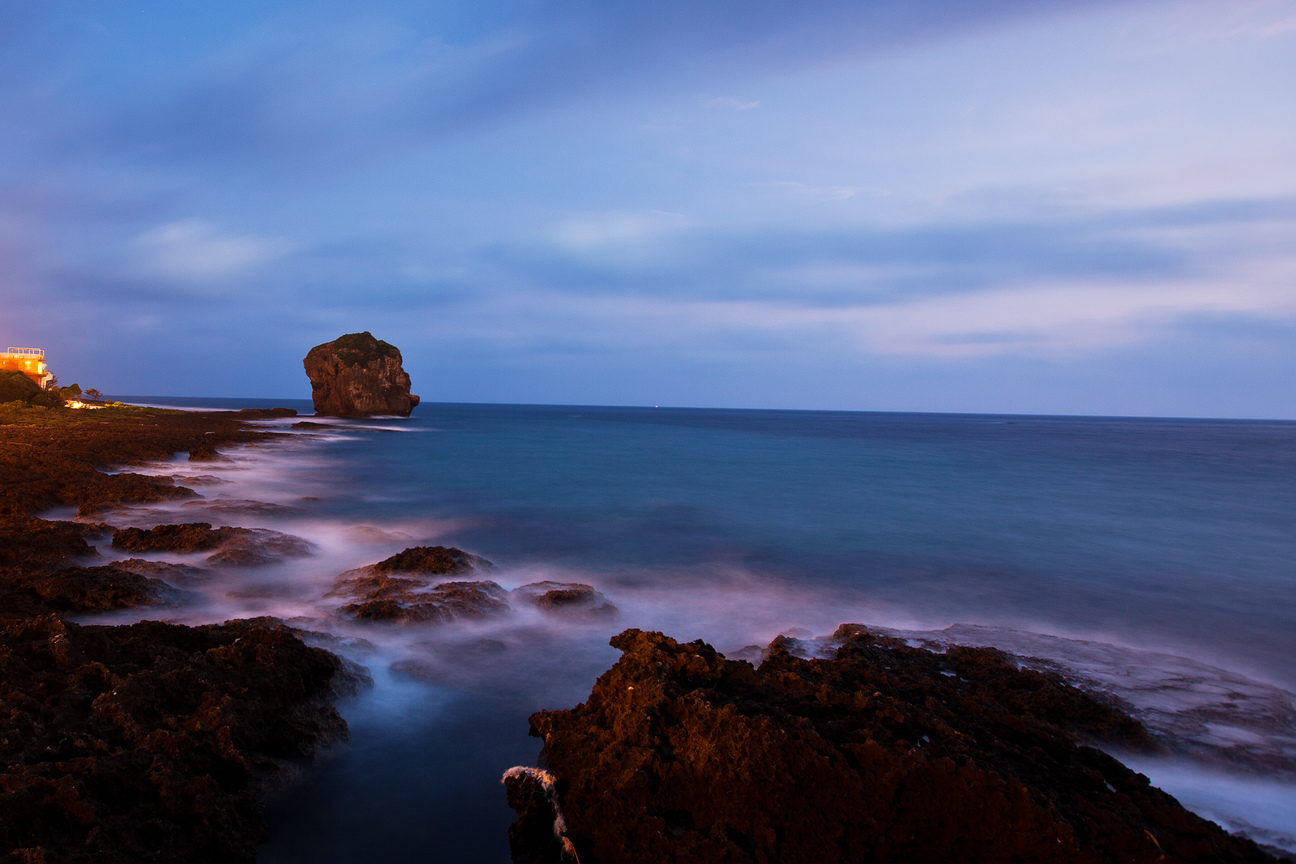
column 981, row 205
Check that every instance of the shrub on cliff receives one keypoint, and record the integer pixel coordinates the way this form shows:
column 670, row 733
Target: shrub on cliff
column 17, row 387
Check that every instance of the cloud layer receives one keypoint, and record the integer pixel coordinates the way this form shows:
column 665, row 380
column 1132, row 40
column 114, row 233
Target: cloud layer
column 938, row 206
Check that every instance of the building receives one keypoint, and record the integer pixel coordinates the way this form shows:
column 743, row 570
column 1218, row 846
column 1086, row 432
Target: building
column 30, row 362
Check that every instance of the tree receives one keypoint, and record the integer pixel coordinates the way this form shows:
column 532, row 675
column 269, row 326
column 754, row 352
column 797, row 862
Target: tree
column 94, row 394
column 71, row 391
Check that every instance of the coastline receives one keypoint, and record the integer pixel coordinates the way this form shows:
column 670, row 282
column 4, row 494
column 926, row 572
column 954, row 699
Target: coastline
column 147, row 740
column 443, row 664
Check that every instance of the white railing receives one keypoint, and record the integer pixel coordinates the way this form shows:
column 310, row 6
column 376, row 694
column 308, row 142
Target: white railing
column 38, row 353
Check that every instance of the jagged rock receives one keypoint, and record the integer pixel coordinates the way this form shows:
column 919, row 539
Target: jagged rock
column 206, row 453
column 882, row 753
column 81, row 590
column 236, row 546
column 398, row 588
column 179, row 575
column 38, row 543
column 436, row 560
column 187, row 537
column 358, row 376
column 566, row 598
column 414, row 601
column 148, row 742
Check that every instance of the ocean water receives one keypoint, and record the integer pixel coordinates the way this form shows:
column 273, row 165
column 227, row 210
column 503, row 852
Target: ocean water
column 1151, row 559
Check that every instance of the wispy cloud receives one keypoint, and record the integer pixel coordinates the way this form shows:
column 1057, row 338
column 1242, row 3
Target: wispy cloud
column 195, row 251
column 730, row 104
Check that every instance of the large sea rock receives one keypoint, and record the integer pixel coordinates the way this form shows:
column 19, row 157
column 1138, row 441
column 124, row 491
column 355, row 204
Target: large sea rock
column 881, row 753
column 357, row 375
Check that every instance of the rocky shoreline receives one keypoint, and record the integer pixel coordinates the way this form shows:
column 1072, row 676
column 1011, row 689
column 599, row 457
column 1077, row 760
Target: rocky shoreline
column 147, row 741
column 155, row 741
column 881, row 752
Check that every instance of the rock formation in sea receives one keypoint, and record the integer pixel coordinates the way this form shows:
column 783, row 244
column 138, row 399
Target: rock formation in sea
column 357, row 375
column 883, row 752
column 566, row 598
column 238, row 546
column 401, row 588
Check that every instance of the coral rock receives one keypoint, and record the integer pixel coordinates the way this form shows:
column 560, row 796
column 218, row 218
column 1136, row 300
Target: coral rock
column 882, row 753
column 566, row 598
column 358, row 376
column 149, row 742
column 235, row 546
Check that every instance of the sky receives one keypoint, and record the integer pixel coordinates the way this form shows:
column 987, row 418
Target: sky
column 1076, row 207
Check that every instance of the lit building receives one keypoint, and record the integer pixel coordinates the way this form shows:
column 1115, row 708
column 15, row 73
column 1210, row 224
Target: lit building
column 30, row 362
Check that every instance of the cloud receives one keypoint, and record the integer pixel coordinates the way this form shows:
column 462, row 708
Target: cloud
column 341, row 87
column 730, row 104
column 194, row 251
column 811, row 193
column 1084, row 284
column 616, row 230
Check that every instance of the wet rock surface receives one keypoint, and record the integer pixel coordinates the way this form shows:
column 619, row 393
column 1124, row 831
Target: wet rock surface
column 414, row 600
column 148, row 742
column 400, row 588
column 434, row 560
column 84, row 590
column 179, row 575
column 37, row 543
column 234, row 506
column 882, row 753
column 245, row 547
column 357, row 375
column 50, row 461
column 186, row 537
column 566, row 598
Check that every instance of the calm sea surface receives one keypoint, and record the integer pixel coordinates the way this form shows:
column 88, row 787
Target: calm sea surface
column 1155, row 559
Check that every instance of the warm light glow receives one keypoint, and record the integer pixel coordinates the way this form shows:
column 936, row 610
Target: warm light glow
column 21, row 359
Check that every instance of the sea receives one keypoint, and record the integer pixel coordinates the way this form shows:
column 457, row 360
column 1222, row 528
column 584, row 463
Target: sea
column 1153, row 560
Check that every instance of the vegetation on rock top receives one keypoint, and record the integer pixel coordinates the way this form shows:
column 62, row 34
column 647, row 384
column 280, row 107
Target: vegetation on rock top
column 358, row 349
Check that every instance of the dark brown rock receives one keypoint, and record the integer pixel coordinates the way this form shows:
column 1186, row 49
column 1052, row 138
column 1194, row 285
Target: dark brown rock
column 186, row 537
column 235, row 546
column 179, row 575
column 82, row 590
column 52, row 458
column 149, row 742
column 39, row 543
column 434, row 560
column 358, row 376
column 398, row 588
column 206, row 453
column 566, row 598
column 265, row 413
column 413, row 601
column 252, row 547
column 882, row 753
